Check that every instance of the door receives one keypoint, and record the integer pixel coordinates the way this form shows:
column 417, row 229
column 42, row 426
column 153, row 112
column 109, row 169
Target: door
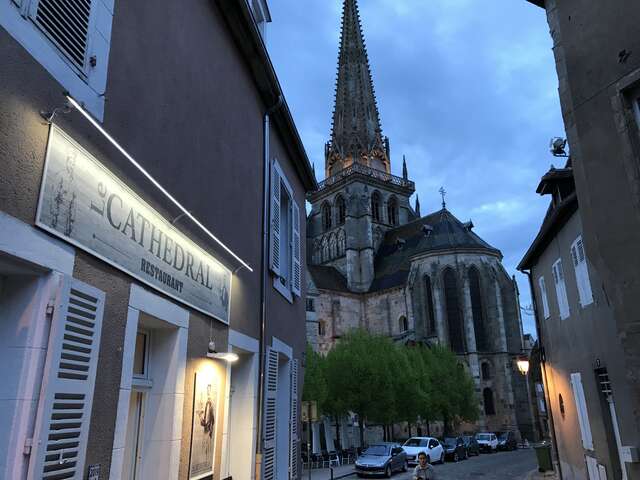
column 133, row 450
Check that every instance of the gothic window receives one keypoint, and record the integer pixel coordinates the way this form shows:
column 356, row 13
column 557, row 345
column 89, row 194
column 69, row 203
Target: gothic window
column 486, row 371
column 489, row 405
column 325, row 250
column 476, row 309
column 431, row 318
column 342, row 243
column 375, row 206
column 392, row 211
column 326, row 216
column 341, row 208
column 404, row 324
column 454, row 318
column 333, row 246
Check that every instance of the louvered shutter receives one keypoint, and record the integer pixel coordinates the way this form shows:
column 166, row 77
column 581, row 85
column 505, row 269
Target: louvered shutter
column 66, row 398
column 583, row 413
column 275, row 219
column 67, row 23
column 561, row 291
column 582, row 273
column 592, row 468
column 270, row 415
column 294, row 451
column 543, row 295
column 297, row 269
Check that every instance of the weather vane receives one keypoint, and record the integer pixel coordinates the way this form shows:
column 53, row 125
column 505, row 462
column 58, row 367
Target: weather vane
column 443, row 192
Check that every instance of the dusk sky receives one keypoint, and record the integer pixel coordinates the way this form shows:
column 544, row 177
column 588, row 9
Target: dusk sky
column 466, row 89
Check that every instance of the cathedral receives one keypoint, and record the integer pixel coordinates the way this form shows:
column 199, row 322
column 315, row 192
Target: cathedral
column 374, row 262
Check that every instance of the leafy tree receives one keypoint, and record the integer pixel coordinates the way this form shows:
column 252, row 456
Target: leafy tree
column 315, row 383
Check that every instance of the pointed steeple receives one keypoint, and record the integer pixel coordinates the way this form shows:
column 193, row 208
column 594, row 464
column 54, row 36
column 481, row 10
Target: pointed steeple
column 356, row 134
column 418, row 206
column 405, row 173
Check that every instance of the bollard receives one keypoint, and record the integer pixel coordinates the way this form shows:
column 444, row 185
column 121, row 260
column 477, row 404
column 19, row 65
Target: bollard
column 331, row 469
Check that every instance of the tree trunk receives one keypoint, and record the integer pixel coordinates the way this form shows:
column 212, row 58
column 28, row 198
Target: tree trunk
column 361, row 430
column 409, row 425
column 338, row 441
column 428, row 428
column 446, row 425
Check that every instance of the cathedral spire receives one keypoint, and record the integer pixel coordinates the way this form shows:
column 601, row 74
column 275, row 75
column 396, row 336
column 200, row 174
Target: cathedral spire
column 356, row 134
column 418, row 206
column 405, row 173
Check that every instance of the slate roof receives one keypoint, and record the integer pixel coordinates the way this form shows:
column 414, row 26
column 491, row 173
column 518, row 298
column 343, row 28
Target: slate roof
column 392, row 263
column 327, row 278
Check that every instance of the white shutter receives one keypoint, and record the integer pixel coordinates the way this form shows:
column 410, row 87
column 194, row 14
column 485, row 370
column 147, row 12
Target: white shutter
column 294, row 450
column 592, row 468
column 270, row 415
column 582, row 272
column 583, row 413
column 543, row 295
column 561, row 290
column 66, row 397
column 297, row 270
column 275, row 218
column 67, row 23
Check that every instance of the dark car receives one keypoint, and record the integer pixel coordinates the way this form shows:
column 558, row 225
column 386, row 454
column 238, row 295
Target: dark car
column 454, row 449
column 382, row 459
column 471, row 444
column 507, row 441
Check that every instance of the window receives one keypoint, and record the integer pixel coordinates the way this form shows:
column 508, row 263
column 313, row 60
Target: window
column 261, row 14
column 543, row 295
column 489, row 405
column 326, row 216
column 284, row 236
column 486, row 371
column 322, row 329
column 392, row 211
column 431, row 318
column 476, row 310
column 561, row 289
column 375, row 206
column 341, row 208
column 69, row 38
column 582, row 272
column 141, row 356
column 583, row 414
column 635, row 102
column 454, row 317
column 311, row 305
column 403, row 324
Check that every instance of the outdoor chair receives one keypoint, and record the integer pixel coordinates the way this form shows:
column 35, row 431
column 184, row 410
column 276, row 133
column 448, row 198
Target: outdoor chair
column 334, row 459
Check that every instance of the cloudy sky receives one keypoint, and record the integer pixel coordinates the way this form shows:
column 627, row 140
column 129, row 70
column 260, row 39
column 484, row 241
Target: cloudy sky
column 467, row 90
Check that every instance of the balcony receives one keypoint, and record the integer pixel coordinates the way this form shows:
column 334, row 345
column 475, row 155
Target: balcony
column 360, row 169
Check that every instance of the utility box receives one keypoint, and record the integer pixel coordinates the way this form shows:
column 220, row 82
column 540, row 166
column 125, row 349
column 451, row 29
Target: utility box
column 543, row 454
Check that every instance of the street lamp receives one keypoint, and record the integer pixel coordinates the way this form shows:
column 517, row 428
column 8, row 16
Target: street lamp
column 523, row 365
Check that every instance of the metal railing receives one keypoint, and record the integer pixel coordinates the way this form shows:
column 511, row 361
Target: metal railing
column 359, row 168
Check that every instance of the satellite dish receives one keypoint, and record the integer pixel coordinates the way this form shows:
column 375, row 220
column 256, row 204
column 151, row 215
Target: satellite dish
column 558, row 147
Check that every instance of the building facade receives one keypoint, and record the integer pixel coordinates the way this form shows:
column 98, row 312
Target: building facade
column 599, row 88
column 376, row 263
column 130, row 147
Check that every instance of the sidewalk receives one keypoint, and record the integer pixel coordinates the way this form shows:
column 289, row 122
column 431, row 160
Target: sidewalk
column 536, row 475
column 325, row 473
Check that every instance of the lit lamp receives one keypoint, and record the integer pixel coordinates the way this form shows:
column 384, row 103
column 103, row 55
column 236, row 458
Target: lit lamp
column 226, row 356
column 523, row 365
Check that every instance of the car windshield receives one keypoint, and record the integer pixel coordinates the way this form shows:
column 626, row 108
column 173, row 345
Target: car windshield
column 377, row 450
column 484, row 436
column 450, row 442
column 503, row 436
column 415, row 442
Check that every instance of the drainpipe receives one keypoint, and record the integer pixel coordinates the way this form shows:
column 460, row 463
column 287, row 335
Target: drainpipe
column 543, row 361
column 264, row 278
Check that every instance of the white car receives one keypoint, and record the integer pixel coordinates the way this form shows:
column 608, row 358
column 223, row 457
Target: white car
column 488, row 442
column 429, row 445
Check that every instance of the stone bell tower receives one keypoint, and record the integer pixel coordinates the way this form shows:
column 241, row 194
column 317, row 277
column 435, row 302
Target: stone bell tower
column 359, row 200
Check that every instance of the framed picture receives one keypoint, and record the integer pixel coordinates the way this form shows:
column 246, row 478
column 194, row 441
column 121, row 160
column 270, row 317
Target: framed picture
column 203, row 433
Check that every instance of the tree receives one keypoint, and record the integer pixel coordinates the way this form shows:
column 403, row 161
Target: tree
column 315, row 383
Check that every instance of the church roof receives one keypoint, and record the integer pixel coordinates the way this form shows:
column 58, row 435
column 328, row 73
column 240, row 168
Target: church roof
column 438, row 231
column 356, row 121
column 327, row 278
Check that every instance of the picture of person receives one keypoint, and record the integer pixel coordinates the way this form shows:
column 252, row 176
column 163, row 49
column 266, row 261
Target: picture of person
column 204, row 426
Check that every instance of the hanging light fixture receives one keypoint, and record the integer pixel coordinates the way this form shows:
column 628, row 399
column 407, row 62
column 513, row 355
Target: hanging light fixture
column 523, row 365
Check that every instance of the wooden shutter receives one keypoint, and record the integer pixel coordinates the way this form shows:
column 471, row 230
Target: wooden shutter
column 583, row 413
column 294, row 450
column 66, row 397
column 561, row 291
column 270, row 415
column 543, row 295
column 582, row 272
column 275, row 219
column 296, row 281
column 67, row 24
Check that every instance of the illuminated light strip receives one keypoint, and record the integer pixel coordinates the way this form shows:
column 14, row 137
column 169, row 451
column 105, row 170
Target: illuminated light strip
column 153, row 180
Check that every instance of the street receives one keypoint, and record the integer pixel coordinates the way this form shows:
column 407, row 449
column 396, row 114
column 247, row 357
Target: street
column 500, row 466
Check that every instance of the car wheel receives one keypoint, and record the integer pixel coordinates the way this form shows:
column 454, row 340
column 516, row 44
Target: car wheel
column 455, row 457
column 388, row 472
column 405, row 466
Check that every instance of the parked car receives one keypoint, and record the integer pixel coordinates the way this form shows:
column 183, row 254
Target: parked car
column 471, row 444
column 507, row 441
column 382, row 459
column 429, row 445
column 454, row 449
column 488, row 442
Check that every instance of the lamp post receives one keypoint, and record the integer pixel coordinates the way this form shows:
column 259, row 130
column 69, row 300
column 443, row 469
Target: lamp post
column 523, row 365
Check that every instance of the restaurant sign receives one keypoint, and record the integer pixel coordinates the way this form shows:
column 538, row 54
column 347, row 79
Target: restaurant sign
column 88, row 206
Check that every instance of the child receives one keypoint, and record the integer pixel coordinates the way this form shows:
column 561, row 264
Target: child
column 424, row 471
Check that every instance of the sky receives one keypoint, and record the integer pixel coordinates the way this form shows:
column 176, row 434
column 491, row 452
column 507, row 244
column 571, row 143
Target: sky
column 467, row 90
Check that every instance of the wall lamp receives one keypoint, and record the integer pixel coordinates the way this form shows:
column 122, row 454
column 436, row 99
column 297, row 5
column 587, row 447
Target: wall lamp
column 184, row 211
column 229, row 357
column 523, row 365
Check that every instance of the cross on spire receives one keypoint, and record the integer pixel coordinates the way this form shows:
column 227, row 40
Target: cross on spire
column 443, row 193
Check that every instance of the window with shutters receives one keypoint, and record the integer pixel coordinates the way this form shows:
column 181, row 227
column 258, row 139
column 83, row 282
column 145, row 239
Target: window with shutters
column 543, row 295
column 579, row 260
column 69, row 38
column 561, row 289
column 582, row 411
column 285, row 244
